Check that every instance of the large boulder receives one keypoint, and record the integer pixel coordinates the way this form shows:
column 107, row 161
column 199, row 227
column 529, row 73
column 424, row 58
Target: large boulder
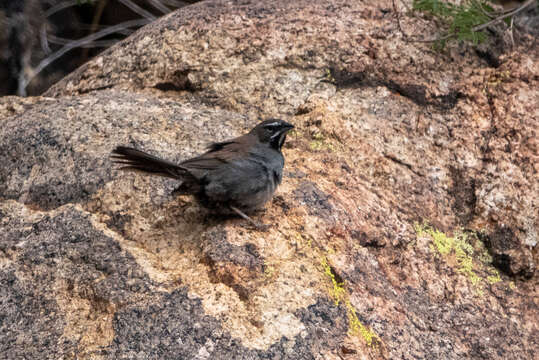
column 405, row 227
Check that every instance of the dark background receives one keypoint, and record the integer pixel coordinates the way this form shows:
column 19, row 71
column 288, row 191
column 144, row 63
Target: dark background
column 32, row 31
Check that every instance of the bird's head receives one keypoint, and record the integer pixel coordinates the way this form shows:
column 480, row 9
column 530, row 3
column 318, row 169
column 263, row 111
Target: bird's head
column 272, row 132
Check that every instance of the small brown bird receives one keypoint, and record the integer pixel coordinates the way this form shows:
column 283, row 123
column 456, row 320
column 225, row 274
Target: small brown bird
column 240, row 174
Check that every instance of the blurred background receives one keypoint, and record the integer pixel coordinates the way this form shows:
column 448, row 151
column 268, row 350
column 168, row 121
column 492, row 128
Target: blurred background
column 41, row 41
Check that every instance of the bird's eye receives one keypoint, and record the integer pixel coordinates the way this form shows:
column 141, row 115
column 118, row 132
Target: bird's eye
column 272, row 127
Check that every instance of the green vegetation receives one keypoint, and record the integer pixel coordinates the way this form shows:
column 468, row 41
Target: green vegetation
column 467, row 20
column 459, row 19
column 339, row 294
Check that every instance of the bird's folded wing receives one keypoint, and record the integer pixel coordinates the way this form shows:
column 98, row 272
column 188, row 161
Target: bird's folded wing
column 219, row 154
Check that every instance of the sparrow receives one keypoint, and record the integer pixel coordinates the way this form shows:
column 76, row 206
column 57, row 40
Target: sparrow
column 238, row 175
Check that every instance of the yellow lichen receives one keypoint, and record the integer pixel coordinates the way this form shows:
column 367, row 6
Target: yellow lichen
column 303, row 240
column 493, row 279
column 269, row 271
column 329, row 77
column 464, row 254
column 320, row 143
column 485, row 257
column 357, row 328
column 497, row 78
column 339, row 294
column 294, row 133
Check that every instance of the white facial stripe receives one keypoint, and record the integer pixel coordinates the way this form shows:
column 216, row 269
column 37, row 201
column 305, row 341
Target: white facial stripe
column 281, row 140
column 276, row 123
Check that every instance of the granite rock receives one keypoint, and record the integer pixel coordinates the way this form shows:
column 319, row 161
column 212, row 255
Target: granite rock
column 405, row 227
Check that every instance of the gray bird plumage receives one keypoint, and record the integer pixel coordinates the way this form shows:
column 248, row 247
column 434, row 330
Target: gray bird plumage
column 239, row 174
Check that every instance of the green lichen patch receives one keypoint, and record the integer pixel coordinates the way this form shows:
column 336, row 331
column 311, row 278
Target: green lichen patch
column 339, row 294
column 464, row 251
column 498, row 78
column 320, row 143
column 493, row 279
column 328, row 77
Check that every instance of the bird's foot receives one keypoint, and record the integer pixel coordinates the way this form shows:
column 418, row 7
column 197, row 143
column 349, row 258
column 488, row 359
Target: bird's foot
column 258, row 226
column 261, row 227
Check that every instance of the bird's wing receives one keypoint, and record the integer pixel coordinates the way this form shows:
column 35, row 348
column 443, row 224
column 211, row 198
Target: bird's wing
column 219, row 154
column 216, row 146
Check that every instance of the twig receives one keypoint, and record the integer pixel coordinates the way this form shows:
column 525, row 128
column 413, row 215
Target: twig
column 501, row 17
column 137, row 9
column 511, row 32
column 397, row 14
column 63, row 41
column 177, row 3
column 77, row 43
column 480, row 6
column 21, row 87
column 405, row 5
column 408, row 38
column 125, row 32
column 160, row 6
column 43, row 39
column 95, row 23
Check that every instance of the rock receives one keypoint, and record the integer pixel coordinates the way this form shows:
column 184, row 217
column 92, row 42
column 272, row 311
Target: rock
column 405, row 227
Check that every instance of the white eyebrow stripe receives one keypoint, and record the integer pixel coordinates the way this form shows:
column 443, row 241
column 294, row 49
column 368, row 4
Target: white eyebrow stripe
column 276, row 123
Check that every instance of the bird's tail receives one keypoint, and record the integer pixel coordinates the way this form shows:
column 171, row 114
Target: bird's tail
column 133, row 159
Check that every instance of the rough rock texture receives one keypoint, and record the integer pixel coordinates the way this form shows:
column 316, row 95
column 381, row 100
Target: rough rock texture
column 406, row 225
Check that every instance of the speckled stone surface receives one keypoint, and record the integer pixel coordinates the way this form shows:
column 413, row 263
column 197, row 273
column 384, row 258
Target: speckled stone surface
column 405, row 227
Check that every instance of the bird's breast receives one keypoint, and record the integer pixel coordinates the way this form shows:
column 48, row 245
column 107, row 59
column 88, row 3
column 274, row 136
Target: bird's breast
column 247, row 183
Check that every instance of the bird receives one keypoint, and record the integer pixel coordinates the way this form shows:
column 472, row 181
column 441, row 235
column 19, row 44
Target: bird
column 239, row 175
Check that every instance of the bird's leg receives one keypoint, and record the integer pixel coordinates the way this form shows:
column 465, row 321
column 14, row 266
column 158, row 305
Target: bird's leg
column 259, row 226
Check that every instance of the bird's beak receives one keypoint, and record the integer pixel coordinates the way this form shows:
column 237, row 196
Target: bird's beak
column 287, row 126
